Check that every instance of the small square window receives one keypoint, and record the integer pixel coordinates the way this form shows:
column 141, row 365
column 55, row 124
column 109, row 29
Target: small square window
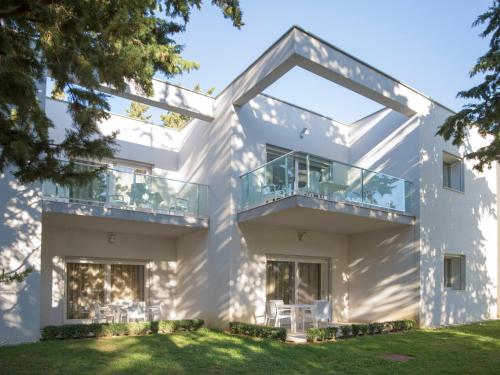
column 454, row 272
column 453, row 172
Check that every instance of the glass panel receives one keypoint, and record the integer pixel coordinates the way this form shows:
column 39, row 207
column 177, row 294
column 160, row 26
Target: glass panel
column 300, row 173
column 85, row 286
column 309, row 283
column 384, row 191
column 272, row 181
column 123, row 189
column 280, row 281
column 127, row 282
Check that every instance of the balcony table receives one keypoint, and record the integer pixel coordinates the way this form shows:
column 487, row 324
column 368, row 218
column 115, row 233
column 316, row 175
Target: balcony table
column 295, row 309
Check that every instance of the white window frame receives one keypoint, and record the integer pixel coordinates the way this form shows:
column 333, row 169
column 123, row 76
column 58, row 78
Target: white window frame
column 462, row 274
column 107, row 283
column 325, row 289
column 457, row 159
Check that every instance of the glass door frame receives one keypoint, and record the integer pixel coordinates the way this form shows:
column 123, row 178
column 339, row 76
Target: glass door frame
column 107, row 283
column 326, row 292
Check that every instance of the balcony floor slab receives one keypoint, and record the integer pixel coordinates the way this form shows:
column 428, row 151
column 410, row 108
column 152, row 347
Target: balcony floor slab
column 119, row 220
column 309, row 213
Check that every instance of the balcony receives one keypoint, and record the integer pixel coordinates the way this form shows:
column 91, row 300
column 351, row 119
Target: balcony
column 309, row 192
column 133, row 197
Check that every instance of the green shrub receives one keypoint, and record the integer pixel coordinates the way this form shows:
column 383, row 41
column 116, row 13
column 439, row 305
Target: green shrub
column 346, row 330
column 321, row 334
column 330, row 333
column 364, row 329
column 378, row 327
column 74, row 331
column 256, row 330
column 356, row 329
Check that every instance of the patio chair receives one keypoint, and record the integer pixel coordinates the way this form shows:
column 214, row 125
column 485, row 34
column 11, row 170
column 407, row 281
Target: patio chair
column 136, row 311
column 277, row 312
column 320, row 312
column 101, row 314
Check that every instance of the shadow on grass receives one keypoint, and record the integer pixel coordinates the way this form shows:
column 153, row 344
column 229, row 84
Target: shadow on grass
column 461, row 349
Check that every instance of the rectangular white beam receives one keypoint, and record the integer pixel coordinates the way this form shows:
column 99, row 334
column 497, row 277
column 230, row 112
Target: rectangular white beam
column 171, row 98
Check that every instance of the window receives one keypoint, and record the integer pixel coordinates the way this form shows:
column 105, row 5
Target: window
column 101, row 282
column 454, row 272
column 273, row 152
column 296, row 281
column 453, row 172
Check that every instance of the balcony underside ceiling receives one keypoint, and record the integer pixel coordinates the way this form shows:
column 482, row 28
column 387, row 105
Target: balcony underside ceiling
column 306, row 213
column 78, row 216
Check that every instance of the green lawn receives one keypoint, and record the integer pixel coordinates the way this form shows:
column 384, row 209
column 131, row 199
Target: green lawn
column 472, row 348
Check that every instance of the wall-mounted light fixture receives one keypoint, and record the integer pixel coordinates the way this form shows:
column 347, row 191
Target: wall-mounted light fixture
column 304, row 132
column 301, row 235
column 111, row 238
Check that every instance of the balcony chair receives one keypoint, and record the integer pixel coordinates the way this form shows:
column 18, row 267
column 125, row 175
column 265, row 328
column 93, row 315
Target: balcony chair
column 277, row 312
column 319, row 312
column 179, row 206
column 102, row 314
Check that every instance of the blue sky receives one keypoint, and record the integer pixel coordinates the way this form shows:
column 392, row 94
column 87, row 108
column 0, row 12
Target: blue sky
column 427, row 44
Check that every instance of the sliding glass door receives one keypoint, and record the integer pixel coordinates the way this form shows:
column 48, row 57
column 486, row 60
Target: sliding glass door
column 297, row 280
column 102, row 282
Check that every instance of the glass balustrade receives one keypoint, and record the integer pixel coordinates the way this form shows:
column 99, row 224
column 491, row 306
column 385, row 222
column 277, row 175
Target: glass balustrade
column 126, row 190
column 297, row 173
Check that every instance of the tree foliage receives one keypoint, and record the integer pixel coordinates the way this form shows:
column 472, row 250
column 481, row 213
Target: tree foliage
column 10, row 277
column 138, row 111
column 81, row 44
column 483, row 113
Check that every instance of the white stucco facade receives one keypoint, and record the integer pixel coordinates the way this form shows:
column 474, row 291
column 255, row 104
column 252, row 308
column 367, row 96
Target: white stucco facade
column 381, row 264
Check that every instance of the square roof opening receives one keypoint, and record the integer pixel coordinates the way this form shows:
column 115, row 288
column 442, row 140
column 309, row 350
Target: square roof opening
column 310, row 91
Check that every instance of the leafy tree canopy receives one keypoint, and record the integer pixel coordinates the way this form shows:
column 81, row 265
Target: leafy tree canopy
column 81, row 44
column 138, row 110
column 483, row 113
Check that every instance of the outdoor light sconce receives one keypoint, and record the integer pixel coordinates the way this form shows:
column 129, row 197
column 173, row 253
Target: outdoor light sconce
column 301, row 235
column 304, row 132
column 111, row 238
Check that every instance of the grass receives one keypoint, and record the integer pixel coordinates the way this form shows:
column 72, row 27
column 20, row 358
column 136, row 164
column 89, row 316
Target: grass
column 473, row 348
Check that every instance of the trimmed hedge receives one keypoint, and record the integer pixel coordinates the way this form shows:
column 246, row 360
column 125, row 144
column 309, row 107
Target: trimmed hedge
column 353, row 330
column 256, row 330
column 77, row 331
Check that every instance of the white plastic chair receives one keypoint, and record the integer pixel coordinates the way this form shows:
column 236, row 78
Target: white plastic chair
column 320, row 312
column 155, row 312
column 101, row 314
column 136, row 311
column 277, row 312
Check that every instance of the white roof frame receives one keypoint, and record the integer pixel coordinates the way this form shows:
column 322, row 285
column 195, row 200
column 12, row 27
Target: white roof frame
column 298, row 47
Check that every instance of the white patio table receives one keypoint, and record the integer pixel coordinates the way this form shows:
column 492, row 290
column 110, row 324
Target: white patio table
column 295, row 309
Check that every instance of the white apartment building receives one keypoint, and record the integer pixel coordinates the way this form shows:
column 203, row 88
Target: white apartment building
column 260, row 199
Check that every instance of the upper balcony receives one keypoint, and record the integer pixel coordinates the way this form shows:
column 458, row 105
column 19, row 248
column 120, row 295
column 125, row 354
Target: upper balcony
column 173, row 206
column 304, row 191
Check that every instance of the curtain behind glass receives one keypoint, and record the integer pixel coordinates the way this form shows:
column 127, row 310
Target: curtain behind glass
column 280, row 281
column 127, row 282
column 309, row 285
column 85, row 286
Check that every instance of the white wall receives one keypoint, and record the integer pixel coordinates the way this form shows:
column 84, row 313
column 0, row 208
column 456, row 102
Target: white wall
column 454, row 222
column 20, row 247
column 159, row 253
column 384, row 278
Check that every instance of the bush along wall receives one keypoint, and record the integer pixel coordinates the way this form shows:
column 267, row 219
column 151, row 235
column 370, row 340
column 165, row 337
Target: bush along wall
column 256, row 330
column 77, row 331
column 352, row 330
